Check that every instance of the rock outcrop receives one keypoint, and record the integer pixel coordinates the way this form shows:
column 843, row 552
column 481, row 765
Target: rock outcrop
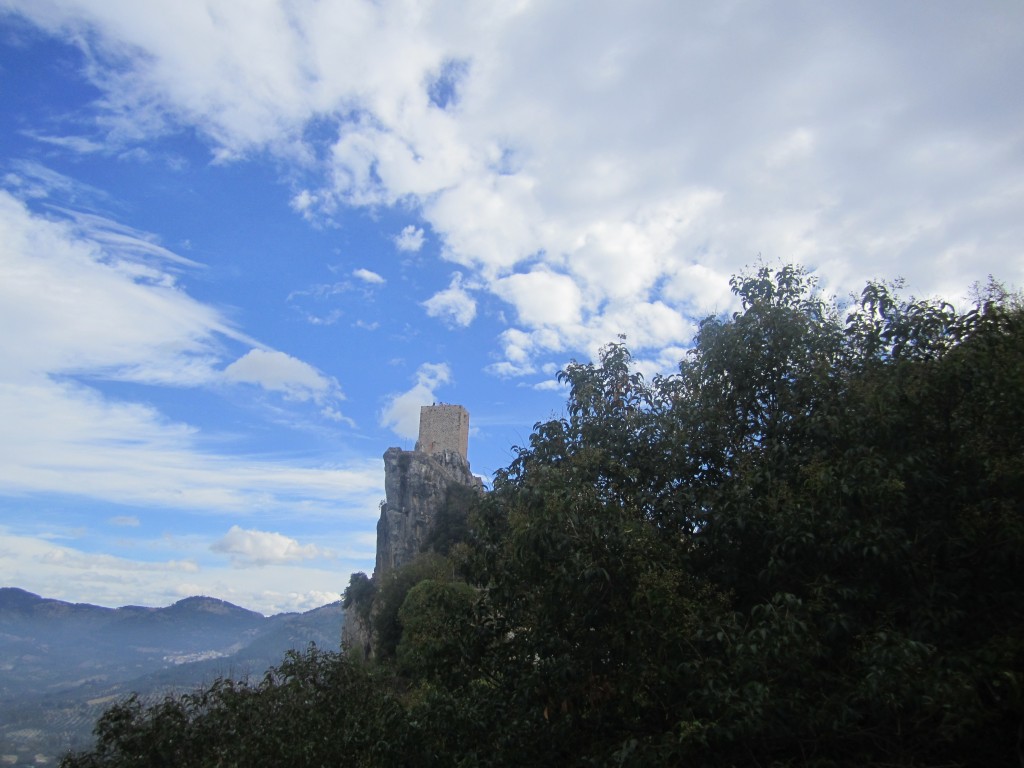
column 416, row 485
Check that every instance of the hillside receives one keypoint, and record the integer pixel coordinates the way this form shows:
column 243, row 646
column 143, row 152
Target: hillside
column 62, row 663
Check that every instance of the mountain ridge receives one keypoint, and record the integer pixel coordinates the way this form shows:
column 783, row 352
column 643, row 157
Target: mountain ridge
column 16, row 597
column 63, row 663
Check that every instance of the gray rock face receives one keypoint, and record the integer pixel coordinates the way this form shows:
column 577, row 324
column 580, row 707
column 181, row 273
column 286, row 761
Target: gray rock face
column 416, row 486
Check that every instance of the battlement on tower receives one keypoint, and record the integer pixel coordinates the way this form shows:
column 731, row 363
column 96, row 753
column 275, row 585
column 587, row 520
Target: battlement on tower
column 444, row 428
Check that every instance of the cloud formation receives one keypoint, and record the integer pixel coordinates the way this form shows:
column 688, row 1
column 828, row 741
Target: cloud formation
column 573, row 180
column 580, row 175
column 93, row 300
column 410, row 239
column 65, row 573
column 260, row 548
column 452, row 305
column 368, row 276
column 107, row 279
column 280, row 372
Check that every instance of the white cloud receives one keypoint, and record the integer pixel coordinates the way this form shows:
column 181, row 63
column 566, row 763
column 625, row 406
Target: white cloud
column 795, row 147
column 409, row 239
column 67, row 437
column 280, row 372
column 30, row 180
column 507, row 370
column 304, row 203
column 552, row 385
column 666, row 361
column 91, row 299
column 260, row 548
column 65, row 573
column 519, row 348
column 131, row 320
column 128, row 521
column 651, row 325
column 699, row 289
column 542, row 298
column 402, row 413
column 571, row 178
column 368, row 277
column 79, row 144
column 836, row 135
column 453, row 304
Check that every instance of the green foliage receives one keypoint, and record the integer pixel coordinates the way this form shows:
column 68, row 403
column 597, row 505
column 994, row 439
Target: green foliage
column 804, row 548
column 837, row 508
column 359, row 595
column 438, row 631
column 391, row 593
column 317, row 708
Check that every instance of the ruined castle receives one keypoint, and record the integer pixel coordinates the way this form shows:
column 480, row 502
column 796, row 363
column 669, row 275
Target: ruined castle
column 417, row 486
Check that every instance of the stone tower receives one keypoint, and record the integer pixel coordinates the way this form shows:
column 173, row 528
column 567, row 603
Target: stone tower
column 417, row 484
column 444, row 428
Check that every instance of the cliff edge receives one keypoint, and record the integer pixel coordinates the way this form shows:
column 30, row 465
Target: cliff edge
column 416, row 486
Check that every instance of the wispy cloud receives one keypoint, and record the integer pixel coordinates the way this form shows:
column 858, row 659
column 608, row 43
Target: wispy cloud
column 575, row 189
column 368, row 276
column 130, row 319
column 106, row 306
column 28, row 179
column 78, row 144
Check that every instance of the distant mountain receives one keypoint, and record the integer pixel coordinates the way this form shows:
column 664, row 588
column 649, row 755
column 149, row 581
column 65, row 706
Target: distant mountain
column 62, row 664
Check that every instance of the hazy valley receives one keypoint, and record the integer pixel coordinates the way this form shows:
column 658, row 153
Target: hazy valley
column 62, row 664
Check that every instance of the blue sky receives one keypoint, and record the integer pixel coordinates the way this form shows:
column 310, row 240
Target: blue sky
column 242, row 242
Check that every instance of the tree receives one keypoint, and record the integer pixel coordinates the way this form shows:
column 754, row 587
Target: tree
column 359, row 595
column 316, row 708
column 391, row 594
column 818, row 521
column 803, row 548
column 438, row 632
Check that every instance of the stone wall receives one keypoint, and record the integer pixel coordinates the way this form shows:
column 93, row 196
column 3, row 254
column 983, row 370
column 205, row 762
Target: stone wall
column 444, row 428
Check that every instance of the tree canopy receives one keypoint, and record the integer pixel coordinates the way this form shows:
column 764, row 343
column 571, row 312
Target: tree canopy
column 804, row 547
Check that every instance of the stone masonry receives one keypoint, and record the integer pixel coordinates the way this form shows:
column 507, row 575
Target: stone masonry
column 416, row 484
column 444, row 428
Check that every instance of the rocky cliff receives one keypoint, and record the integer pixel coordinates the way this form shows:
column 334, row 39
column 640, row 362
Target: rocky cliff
column 416, row 485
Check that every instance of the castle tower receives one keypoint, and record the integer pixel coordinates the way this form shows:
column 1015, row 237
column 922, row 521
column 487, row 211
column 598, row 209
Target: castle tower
column 444, row 428
column 419, row 486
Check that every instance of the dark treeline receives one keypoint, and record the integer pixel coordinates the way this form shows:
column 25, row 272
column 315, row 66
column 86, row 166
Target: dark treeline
column 804, row 548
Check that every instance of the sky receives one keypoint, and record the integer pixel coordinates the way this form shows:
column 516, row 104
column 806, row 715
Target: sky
column 243, row 241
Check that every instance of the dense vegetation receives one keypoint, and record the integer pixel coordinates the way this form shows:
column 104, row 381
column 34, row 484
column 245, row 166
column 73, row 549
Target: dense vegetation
column 804, row 548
